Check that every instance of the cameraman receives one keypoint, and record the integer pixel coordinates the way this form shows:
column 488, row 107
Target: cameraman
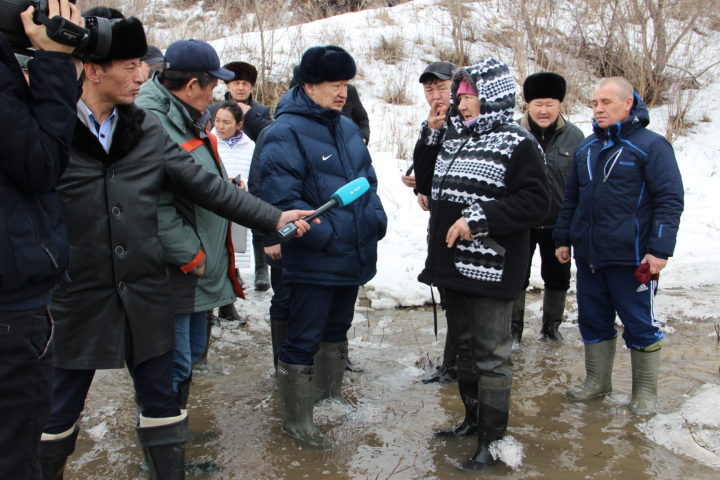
column 36, row 127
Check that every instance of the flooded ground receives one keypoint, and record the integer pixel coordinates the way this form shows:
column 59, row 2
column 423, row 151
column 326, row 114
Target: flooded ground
column 235, row 413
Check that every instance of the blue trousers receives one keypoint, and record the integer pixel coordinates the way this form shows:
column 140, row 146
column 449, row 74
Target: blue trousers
column 603, row 293
column 26, row 355
column 318, row 313
column 190, row 340
column 153, row 390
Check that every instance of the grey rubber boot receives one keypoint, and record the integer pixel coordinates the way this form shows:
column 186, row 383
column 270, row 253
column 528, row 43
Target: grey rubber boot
column 468, row 386
column 553, row 310
column 163, row 443
column 493, row 415
column 518, row 319
column 599, row 359
column 645, row 366
column 54, row 453
column 262, row 281
column 278, row 330
column 298, row 396
column 329, row 371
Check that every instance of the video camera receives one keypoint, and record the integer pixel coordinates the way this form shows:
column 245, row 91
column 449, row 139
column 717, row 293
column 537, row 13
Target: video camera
column 94, row 39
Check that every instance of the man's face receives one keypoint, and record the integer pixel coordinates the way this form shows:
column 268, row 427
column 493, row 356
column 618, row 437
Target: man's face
column 328, row 94
column 199, row 97
column 240, row 90
column 437, row 91
column 609, row 107
column 120, row 82
column 544, row 111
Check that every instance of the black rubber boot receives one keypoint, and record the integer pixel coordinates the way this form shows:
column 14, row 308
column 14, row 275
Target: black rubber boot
column 553, row 309
column 164, row 448
column 228, row 312
column 330, row 361
column 493, row 414
column 468, row 386
column 262, row 281
column 183, row 393
column 278, row 330
column 54, row 454
column 202, row 364
column 447, row 372
column 518, row 319
column 298, row 396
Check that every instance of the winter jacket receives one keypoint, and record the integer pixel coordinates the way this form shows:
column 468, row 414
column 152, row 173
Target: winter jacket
column 254, row 121
column 354, row 110
column 624, row 196
column 494, row 177
column 559, row 152
column 218, row 285
column 119, row 303
column 424, row 155
column 36, row 126
column 307, row 154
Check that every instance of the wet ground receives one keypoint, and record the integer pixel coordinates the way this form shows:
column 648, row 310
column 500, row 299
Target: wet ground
column 235, row 413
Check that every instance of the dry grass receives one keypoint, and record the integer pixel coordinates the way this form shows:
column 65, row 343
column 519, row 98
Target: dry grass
column 389, row 50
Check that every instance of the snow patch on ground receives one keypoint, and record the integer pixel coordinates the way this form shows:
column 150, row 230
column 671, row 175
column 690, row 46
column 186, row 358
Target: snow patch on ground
column 693, row 431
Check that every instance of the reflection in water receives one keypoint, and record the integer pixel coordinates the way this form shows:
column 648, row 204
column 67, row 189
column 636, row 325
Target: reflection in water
column 235, row 415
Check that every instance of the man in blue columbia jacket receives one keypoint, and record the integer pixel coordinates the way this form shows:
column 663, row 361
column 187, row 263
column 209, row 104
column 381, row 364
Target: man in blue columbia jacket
column 622, row 208
column 307, row 154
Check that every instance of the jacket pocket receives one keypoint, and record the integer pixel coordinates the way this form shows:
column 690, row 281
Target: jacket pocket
column 482, row 259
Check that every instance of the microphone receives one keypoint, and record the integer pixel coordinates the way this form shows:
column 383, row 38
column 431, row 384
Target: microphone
column 344, row 195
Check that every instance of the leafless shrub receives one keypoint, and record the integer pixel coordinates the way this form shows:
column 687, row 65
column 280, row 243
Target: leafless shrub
column 389, row 50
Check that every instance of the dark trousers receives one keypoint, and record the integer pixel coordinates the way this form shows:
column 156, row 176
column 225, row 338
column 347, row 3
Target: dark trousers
column 318, row 313
column 280, row 302
column 153, row 390
column 479, row 329
column 25, row 390
column 555, row 275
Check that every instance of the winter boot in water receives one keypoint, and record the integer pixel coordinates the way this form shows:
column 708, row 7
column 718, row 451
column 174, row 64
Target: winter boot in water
column 183, row 393
column 298, row 397
column 54, row 451
column 553, row 309
column 492, row 420
column 351, row 367
column 228, row 312
column 278, row 330
column 329, row 370
column 448, row 371
column 163, row 443
column 645, row 366
column 262, row 281
column 518, row 320
column 599, row 359
column 468, row 386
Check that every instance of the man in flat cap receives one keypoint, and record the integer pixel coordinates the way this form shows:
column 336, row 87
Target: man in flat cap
column 307, row 154
column 544, row 93
column 118, row 309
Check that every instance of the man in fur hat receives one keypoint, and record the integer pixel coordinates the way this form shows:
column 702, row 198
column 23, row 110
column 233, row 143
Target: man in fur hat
column 117, row 310
column 544, row 93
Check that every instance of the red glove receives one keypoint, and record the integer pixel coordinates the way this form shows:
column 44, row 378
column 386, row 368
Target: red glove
column 642, row 274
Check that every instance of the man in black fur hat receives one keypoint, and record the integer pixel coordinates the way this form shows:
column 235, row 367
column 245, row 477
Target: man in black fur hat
column 544, row 93
column 118, row 310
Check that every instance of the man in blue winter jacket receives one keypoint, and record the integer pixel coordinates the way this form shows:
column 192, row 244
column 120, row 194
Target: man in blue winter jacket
column 621, row 213
column 37, row 124
column 308, row 153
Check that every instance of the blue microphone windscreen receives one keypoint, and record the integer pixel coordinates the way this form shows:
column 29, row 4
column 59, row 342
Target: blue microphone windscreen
column 349, row 192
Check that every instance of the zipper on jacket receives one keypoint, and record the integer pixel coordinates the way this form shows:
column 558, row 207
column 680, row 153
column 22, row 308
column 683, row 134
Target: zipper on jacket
column 47, row 250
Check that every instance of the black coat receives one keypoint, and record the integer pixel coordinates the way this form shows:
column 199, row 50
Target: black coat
column 354, row 110
column 118, row 306
column 36, row 125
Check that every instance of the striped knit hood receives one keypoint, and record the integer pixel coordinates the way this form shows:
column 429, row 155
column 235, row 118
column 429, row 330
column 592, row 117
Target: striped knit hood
column 495, row 87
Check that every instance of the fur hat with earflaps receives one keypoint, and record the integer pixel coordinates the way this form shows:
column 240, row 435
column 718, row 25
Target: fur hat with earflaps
column 128, row 41
column 325, row 64
column 544, row 85
column 243, row 71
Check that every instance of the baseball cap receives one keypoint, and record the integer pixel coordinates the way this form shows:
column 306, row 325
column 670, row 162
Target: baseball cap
column 154, row 55
column 437, row 70
column 196, row 56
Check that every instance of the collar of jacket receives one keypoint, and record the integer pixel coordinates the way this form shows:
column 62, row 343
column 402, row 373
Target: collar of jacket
column 173, row 108
column 638, row 118
column 296, row 101
column 128, row 133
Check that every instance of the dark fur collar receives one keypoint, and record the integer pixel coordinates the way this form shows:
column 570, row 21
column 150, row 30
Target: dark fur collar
column 128, row 134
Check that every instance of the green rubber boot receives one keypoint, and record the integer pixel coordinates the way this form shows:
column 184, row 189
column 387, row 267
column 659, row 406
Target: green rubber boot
column 297, row 392
column 599, row 359
column 645, row 366
column 329, row 363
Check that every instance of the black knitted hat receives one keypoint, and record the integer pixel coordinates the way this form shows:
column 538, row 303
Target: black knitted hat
column 325, row 64
column 128, row 41
column 544, row 85
column 243, row 71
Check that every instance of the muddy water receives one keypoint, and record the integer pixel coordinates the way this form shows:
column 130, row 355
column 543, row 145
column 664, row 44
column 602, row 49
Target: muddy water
column 235, row 413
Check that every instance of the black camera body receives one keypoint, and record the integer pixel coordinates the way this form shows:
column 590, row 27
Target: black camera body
column 93, row 40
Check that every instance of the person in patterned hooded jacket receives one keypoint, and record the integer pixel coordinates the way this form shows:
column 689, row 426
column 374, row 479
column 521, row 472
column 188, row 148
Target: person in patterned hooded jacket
column 489, row 188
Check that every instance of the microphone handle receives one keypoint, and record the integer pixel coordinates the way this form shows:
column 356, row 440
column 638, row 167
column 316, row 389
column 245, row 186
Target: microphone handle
column 289, row 229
